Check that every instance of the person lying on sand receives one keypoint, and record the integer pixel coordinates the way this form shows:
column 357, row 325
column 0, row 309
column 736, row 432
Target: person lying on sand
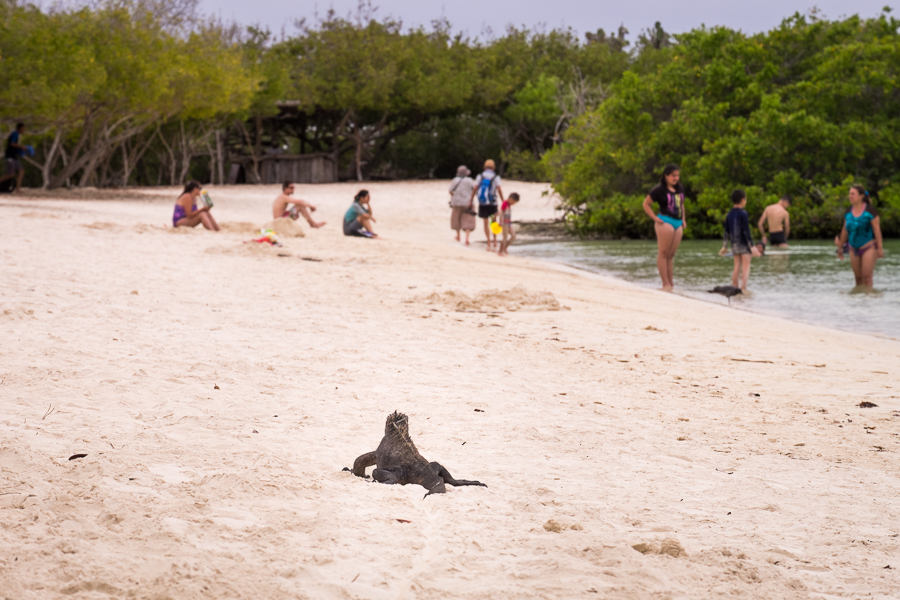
column 358, row 218
column 186, row 212
column 299, row 207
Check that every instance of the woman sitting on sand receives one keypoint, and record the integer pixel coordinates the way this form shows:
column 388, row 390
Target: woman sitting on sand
column 191, row 217
column 862, row 231
column 669, row 223
column 358, row 218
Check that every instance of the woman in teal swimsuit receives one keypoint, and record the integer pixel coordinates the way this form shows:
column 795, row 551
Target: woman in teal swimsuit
column 862, row 230
column 670, row 222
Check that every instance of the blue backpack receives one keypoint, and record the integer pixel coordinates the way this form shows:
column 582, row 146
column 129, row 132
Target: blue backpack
column 486, row 190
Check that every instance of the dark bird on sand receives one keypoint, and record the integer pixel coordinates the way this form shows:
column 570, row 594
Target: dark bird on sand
column 726, row 290
column 397, row 461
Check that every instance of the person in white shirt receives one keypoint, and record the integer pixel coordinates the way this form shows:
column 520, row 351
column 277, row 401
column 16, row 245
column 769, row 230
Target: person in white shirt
column 462, row 215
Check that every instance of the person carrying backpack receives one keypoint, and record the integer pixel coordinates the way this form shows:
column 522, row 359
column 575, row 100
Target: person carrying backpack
column 487, row 188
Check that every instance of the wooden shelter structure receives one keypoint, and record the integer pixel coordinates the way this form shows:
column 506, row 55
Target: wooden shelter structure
column 299, row 168
column 318, row 167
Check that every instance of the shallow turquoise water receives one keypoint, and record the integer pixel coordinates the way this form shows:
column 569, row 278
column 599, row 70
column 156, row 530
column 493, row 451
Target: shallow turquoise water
column 804, row 282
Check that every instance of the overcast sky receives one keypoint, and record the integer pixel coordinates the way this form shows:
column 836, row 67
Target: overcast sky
column 472, row 16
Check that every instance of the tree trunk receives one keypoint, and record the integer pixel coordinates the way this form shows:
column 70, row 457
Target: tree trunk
column 171, row 157
column 91, row 149
column 187, row 152
column 69, row 168
column 126, row 167
column 253, row 156
column 220, row 157
column 257, row 150
column 131, row 163
column 65, row 161
column 359, row 144
column 212, row 162
column 47, row 168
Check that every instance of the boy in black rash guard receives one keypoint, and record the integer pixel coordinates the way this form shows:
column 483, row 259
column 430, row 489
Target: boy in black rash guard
column 737, row 232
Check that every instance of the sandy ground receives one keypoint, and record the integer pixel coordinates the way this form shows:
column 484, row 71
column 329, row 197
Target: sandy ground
column 218, row 388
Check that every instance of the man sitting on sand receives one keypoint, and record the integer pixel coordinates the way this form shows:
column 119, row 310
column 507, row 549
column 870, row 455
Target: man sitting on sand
column 779, row 222
column 299, row 207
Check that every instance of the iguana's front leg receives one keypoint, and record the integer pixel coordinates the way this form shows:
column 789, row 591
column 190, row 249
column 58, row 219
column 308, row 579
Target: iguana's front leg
column 448, row 478
column 366, row 460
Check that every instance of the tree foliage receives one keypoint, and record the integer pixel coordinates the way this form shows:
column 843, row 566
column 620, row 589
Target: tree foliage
column 804, row 109
column 89, row 82
column 147, row 91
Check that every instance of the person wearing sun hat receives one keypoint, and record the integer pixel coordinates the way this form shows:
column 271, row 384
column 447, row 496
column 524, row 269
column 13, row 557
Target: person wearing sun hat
column 462, row 215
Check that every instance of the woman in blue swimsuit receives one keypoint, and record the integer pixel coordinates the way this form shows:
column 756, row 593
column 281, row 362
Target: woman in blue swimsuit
column 862, row 231
column 670, row 222
column 187, row 214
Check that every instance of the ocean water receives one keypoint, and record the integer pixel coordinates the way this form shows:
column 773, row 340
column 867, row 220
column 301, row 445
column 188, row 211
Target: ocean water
column 805, row 282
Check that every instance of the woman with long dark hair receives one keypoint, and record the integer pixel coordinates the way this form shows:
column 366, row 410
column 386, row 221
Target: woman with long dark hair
column 669, row 223
column 186, row 212
column 862, row 232
column 358, row 219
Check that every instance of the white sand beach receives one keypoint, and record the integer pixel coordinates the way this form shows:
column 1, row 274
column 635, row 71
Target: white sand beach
column 218, row 388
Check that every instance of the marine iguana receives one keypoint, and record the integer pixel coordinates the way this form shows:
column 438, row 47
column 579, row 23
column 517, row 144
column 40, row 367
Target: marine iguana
column 397, row 460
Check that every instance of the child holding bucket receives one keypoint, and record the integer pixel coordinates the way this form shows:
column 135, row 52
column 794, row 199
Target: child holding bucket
column 506, row 226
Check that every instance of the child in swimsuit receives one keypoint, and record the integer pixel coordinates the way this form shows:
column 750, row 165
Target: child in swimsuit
column 509, row 234
column 669, row 222
column 862, row 232
column 737, row 232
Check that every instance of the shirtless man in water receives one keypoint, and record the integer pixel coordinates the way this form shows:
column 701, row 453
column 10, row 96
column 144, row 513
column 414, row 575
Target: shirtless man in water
column 779, row 222
column 300, row 207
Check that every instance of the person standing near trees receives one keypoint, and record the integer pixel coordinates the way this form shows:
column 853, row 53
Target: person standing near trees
column 778, row 220
column 462, row 215
column 669, row 223
column 487, row 186
column 15, row 149
column 862, row 230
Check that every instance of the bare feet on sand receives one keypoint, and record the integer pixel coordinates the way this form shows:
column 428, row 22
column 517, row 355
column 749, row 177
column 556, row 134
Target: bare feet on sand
column 315, row 225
